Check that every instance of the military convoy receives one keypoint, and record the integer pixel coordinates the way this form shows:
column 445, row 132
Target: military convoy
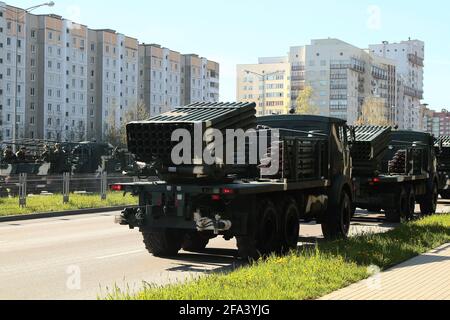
column 45, row 161
column 326, row 170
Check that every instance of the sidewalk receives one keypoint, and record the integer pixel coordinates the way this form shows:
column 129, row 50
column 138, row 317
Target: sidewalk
column 426, row 277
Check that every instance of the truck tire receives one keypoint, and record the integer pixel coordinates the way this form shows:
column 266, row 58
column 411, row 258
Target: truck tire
column 247, row 248
column 395, row 215
column 194, row 242
column 268, row 240
column 428, row 204
column 263, row 236
column 337, row 222
column 164, row 243
column 290, row 226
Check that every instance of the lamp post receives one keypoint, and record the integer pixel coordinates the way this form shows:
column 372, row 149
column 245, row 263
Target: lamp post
column 263, row 77
column 25, row 11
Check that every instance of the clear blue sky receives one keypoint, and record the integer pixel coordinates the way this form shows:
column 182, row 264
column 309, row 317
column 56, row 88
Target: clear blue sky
column 239, row 31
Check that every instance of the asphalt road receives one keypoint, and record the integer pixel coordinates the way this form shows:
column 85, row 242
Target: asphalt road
column 84, row 257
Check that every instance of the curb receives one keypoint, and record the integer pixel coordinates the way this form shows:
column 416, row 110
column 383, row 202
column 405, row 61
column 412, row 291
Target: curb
column 60, row 214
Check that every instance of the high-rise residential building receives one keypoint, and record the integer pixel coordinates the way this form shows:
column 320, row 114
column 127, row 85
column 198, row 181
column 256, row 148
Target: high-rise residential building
column 12, row 70
column 75, row 83
column 200, row 79
column 409, row 60
column 168, row 79
column 113, row 80
column 160, row 76
column 340, row 75
column 267, row 83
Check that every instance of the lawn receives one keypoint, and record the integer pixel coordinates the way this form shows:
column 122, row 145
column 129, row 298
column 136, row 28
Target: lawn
column 54, row 203
column 309, row 273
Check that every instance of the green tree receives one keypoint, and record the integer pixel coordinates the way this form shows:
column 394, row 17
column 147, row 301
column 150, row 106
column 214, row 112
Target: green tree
column 304, row 102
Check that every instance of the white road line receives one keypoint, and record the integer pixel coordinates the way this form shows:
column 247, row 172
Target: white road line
column 120, row 254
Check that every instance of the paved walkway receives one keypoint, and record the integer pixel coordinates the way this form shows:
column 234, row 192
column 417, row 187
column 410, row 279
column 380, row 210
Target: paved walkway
column 426, row 277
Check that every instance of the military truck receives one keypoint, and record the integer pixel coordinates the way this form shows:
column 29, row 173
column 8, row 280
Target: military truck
column 393, row 170
column 190, row 205
column 442, row 147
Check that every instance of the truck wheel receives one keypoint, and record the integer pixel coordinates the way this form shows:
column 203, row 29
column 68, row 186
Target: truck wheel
column 428, row 205
column 247, row 248
column 194, row 242
column 164, row 243
column 268, row 236
column 395, row 215
column 263, row 237
column 290, row 226
column 338, row 220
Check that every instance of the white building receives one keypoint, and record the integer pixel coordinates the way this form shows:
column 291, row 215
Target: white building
column 409, row 59
column 341, row 76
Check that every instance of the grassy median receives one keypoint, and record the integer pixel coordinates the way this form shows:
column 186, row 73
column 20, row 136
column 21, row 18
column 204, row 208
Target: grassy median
column 310, row 273
column 54, row 203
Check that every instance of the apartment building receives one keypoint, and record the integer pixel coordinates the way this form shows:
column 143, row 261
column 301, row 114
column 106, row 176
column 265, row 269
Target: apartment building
column 160, row 78
column 409, row 59
column 267, row 83
column 168, row 79
column 341, row 76
column 436, row 123
column 113, row 80
column 200, row 79
column 76, row 83
column 12, row 84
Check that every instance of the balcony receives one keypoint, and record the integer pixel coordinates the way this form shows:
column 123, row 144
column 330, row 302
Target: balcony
column 411, row 92
column 298, row 68
column 416, row 60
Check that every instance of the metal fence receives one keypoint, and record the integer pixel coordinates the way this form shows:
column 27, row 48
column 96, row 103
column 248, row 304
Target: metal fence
column 23, row 185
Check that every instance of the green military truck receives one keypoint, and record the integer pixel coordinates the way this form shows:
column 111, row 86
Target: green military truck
column 393, row 171
column 261, row 209
column 442, row 147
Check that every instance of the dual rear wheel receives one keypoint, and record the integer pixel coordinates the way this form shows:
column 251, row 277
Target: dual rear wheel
column 405, row 207
column 276, row 230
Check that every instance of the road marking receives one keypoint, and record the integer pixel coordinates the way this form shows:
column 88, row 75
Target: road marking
column 120, row 254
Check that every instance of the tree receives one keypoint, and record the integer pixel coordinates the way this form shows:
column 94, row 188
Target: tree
column 374, row 113
column 303, row 102
column 112, row 132
column 116, row 133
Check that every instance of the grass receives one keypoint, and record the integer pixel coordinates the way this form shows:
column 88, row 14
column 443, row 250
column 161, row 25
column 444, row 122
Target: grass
column 54, row 203
column 309, row 273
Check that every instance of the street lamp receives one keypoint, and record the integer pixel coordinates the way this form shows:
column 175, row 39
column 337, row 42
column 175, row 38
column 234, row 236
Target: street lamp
column 263, row 77
column 25, row 11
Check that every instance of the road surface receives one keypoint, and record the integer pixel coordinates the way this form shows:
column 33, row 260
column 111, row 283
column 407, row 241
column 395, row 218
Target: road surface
column 84, row 257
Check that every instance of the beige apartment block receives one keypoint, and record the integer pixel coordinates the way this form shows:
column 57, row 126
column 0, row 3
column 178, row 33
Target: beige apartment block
column 75, row 83
column 267, row 83
column 160, row 84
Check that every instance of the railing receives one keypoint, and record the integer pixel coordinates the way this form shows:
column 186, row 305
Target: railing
column 24, row 185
